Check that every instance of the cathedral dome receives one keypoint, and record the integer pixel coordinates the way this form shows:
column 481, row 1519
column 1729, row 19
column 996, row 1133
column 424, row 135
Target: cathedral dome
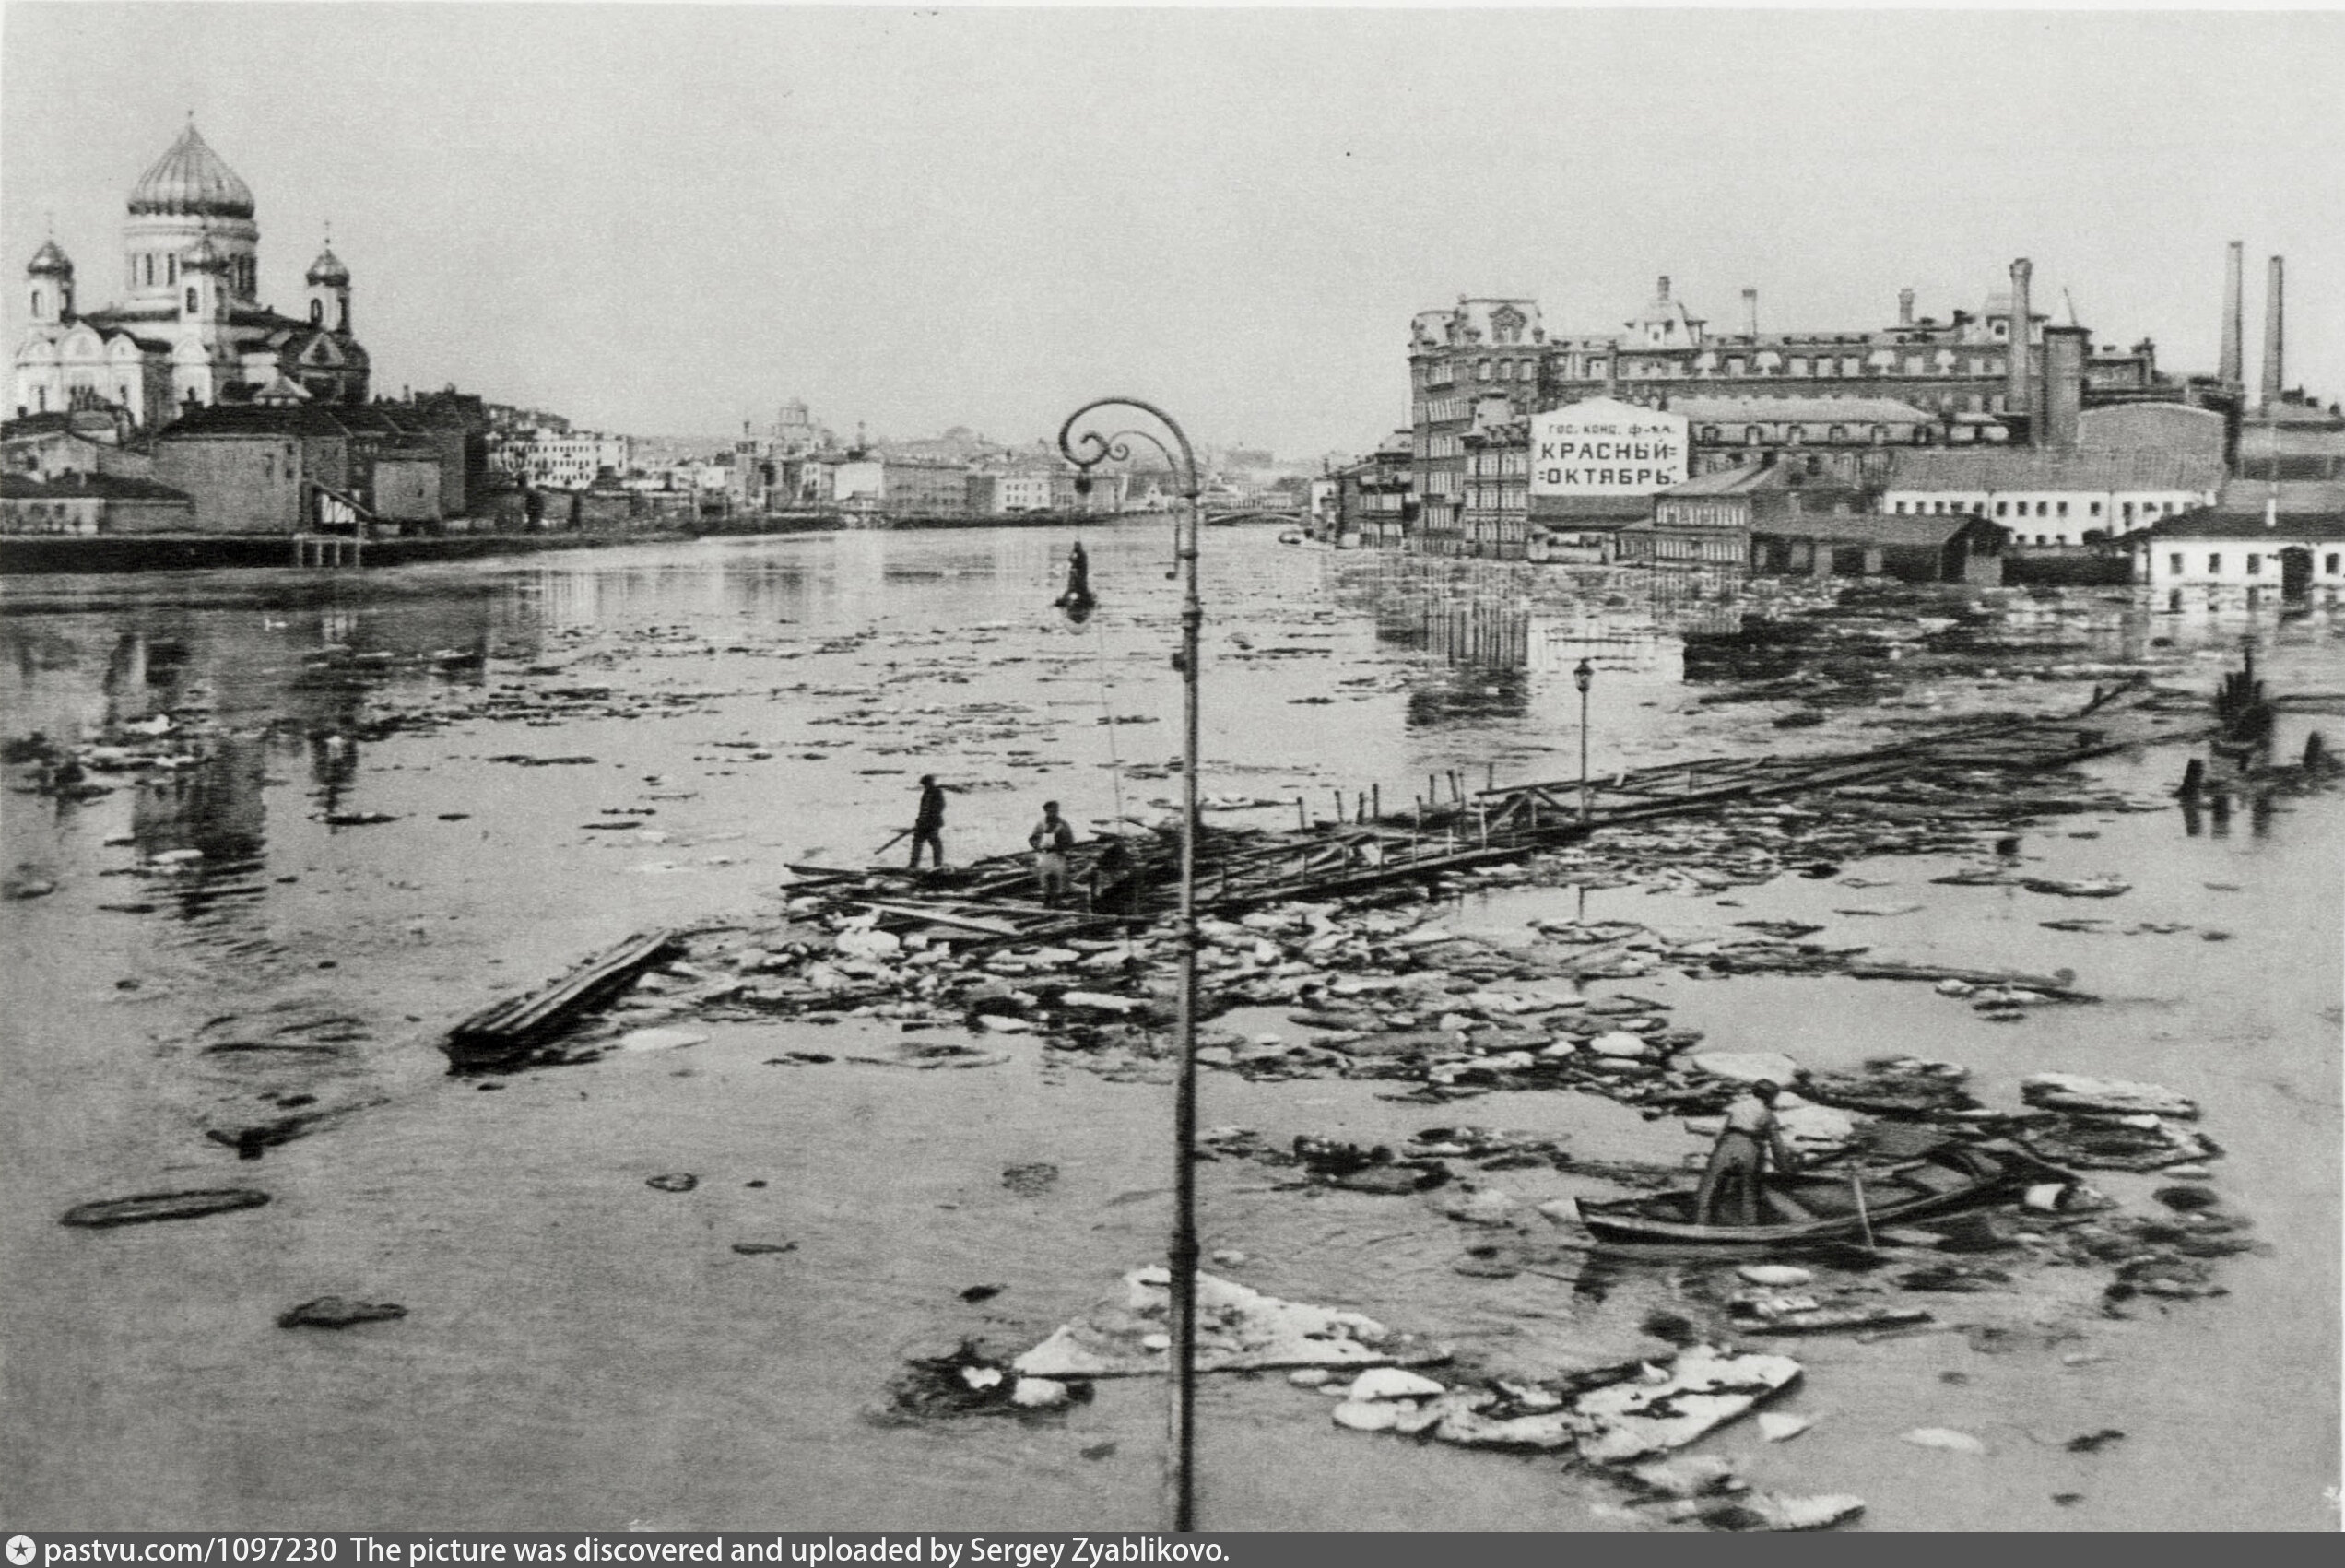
column 49, row 260
column 190, row 177
column 328, row 268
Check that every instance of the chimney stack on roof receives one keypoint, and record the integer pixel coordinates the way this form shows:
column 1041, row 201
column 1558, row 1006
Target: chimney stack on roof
column 1904, row 307
column 2233, row 372
column 2273, row 356
column 2056, row 420
column 1750, row 312
column 2015, row 389
column 1665, row 285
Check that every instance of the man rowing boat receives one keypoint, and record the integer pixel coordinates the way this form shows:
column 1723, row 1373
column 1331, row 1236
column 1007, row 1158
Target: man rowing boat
column 1740, row 1157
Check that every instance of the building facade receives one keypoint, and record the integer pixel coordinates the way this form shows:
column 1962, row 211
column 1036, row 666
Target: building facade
column 2246, row 557
column 2052, row 498
column 189, row 328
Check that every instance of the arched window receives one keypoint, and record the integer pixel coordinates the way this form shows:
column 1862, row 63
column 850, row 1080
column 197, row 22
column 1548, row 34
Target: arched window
column 35, row 301
column 191, row 301
column 170, row 268
column 149, row 261
column 317, row 312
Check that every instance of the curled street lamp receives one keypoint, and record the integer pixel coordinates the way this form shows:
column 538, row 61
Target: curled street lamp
column 1584, row 677
column 1086, row 450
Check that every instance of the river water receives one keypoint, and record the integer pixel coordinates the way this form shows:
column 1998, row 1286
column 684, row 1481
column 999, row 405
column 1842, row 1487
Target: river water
column 582, row 1351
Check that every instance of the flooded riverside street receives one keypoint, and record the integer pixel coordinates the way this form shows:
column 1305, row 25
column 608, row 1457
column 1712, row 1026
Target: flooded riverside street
column 333, row 814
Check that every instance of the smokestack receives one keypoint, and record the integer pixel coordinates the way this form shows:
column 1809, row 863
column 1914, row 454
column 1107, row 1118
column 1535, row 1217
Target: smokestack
column 2015, row 387
column 2273, row 368
column 1750, row 312
column 2233, row 372
column 1904, row 307
column 2056, row 423
column 1665, row 285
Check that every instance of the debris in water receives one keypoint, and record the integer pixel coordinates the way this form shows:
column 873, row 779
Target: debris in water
column 1238, row 1329
column 150, row 1206
column 338, row 1311
column 1945, row 1437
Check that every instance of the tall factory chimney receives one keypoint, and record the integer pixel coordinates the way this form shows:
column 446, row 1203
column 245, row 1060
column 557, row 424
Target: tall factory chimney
column 1904, row 307
column 2015, row 388
column 1751, row 312
column 2233, row 372
column 2273, row 356
column 2055, row 421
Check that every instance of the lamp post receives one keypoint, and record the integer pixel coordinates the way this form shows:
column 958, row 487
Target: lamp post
column 1086, row 450
column 1584, row 677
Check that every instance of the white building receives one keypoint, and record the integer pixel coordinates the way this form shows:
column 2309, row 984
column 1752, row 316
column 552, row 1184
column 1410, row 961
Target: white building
column 189, row 326
column 571, row 461
column 2256, row 557
column 2051, row 498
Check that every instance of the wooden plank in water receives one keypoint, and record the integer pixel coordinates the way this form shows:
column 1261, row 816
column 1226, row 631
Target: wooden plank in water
column 510, row 1025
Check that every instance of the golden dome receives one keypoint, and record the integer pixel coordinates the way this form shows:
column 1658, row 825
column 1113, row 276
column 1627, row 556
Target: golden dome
column 190, row 177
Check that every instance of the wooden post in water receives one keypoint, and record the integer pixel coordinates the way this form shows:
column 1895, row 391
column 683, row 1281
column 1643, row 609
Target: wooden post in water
column 1376, row 797
column 1302, row 821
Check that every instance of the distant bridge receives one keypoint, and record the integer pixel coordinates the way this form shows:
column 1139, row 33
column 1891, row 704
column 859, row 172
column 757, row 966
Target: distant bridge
column 1255, row 515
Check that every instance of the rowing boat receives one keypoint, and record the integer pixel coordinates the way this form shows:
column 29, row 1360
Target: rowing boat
column 1826, row 1208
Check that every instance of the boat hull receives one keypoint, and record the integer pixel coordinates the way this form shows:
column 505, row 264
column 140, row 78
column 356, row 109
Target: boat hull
column 1957, row 1178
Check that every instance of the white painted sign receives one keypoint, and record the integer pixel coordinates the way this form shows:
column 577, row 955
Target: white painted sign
column 1605, row 447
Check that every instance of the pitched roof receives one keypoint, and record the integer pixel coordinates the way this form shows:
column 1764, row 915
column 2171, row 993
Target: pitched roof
column 1868, row 528
column 1807, row 410
column 248, row 419
column 2295, row 495
column 104, row 487
column 2005, row 469
column 2211, row 524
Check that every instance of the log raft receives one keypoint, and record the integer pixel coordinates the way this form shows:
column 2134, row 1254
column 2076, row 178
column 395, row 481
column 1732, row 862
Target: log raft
column 511, row 1029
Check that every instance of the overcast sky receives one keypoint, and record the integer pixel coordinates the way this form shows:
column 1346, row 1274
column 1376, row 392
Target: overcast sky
column 668, row 220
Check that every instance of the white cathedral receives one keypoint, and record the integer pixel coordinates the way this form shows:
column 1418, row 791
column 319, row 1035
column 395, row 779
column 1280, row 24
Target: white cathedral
column 189, row 328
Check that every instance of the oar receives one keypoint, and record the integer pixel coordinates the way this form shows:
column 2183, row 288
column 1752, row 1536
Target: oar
column 900, row 832
column 1864, row 1219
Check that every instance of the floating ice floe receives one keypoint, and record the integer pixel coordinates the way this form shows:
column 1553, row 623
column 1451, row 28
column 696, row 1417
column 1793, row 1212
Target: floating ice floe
column 1238, row 1329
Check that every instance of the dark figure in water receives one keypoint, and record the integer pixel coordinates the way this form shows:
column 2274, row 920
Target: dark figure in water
column 1078, row 601
column 929, row 827
column 1740, row 1157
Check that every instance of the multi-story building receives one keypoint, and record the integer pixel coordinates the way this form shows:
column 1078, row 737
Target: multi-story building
column 1959, row 365
column 900, row 487
column 1848, row 438
column 1834, row 403
column 1496, row 518
column 2052, row 498
column 1475, row 365
column 1375, row 498
column 572, row 460
column 2230, row 552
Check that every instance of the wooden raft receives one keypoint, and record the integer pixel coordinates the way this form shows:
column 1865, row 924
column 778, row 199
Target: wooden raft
column 511, row 1028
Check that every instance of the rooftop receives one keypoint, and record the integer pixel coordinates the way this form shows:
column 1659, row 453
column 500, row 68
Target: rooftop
column 2224, row 523
column 2003, row 468
column 1805, row 410
column 104, row 487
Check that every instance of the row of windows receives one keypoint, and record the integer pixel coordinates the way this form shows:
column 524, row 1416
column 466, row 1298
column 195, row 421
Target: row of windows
column 1851, row 368
column 1497, row 497
column 2332, row 564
